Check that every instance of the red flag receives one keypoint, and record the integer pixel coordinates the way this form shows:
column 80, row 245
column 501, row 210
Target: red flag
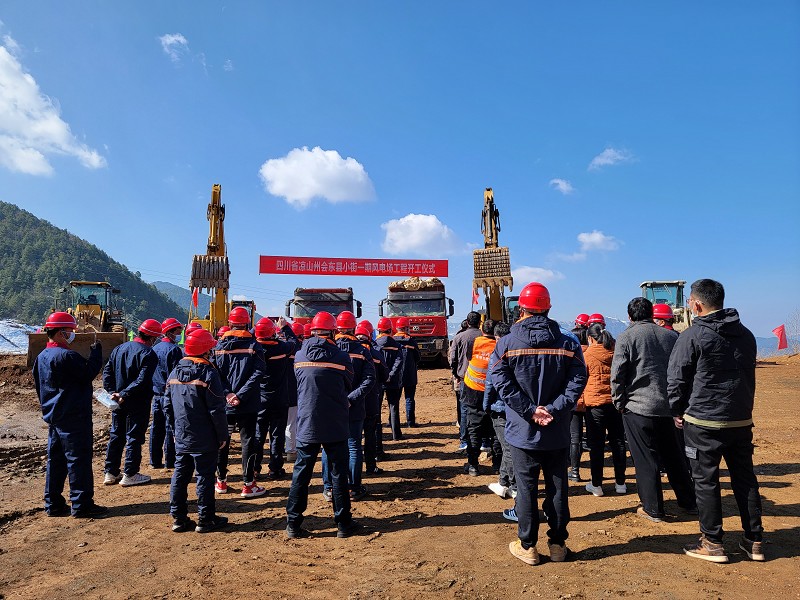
column 194, row 297
column 475, row 299
column 781, row 333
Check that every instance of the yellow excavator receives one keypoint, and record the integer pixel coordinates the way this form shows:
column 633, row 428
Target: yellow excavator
column 492, row 265
column 94, row 306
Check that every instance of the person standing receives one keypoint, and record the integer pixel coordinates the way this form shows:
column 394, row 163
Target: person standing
column 291, row 419
column 506, row 484
column 460, row 353
column 63, row 380
column 239, row 359
column 711, row 383
column 579, row 412
column 194, row 404
column 392, row 387
column 128, row 377
column 411, row 358
column 169, row 353
column 639, row 391
column 324, row 380
column 539, row 374
column 664, row 317
column 372, row 403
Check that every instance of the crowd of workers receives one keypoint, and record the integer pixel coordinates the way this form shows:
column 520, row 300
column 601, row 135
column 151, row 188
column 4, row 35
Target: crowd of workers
column 679, row 402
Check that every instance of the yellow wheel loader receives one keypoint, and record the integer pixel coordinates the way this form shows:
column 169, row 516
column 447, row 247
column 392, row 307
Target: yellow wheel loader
column 94, row 306
column 671, row 294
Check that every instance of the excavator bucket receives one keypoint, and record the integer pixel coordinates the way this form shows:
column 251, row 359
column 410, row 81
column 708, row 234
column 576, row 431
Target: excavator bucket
column 210, row 272
column 110, row 340
column 492, row 269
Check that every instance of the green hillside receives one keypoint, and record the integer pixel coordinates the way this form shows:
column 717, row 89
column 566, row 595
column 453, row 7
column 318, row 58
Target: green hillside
column 183, row 296
column 37, row 258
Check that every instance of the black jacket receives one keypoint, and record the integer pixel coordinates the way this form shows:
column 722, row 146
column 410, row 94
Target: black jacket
column 411, row 357
column 363, row 374
column 712, row 370
column 129, row 372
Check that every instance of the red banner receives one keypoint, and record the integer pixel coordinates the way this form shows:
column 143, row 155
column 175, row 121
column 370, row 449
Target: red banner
column 371, row 267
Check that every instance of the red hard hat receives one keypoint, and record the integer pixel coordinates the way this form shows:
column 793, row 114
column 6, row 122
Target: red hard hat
column 307, row 330
column 597, row 318
column 384, row 324
column 402, row 323
column 193, row 327
column 364, row 328
column 170, row 324
column 239, row 316
column 61, row 319
column 265, row 328
column 534, row 296
column 150, row 327
column 323, row 320
column 199, row 342
column 582, row 319
column 346, row 320
column 221, row 331
column 298, row 329
column 663, row 311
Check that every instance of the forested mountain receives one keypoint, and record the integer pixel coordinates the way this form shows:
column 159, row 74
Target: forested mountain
column 183, row 296
column 37, row 258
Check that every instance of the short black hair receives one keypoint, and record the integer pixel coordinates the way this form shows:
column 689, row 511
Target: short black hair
column 474, row 319
column 146, row 338
column 502, row 328
column 488, row 326
column 640, row 309
column 52, row 332
column 709, row 292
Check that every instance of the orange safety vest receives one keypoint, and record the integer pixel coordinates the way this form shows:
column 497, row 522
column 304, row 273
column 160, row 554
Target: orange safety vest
column 482, row 349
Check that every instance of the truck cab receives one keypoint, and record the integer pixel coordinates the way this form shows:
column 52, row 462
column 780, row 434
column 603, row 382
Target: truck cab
column 307, row 302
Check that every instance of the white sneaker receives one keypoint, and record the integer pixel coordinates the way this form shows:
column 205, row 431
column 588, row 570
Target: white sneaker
column 597, row 491
column 620, row 488
column 498, row 489
column 111, row 479
column 138, row 479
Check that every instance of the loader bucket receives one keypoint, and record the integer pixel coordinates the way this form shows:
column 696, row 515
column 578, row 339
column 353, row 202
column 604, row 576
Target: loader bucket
column 38, row 342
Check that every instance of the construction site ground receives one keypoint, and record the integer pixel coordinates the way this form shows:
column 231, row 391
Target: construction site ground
column 430, row 531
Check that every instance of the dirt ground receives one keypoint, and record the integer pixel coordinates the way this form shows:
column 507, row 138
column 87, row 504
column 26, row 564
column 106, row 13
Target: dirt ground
column 430, row 531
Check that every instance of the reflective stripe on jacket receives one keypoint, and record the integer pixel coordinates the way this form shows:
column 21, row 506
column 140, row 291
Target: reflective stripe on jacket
column 482, row 349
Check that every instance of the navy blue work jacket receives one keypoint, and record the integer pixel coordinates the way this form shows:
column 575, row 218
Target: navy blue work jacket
column 372, row 404
column 240, row 362
column 276, row 380
column 393, row 355
column 195, row 406
column 363, row 374
column 538, row 365
column 411, row 358
column 324, row 379
column 129, row 373
column 63, row 380
column 169, row 354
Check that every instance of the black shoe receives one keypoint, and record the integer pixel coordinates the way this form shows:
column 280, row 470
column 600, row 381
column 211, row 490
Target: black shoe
column 382, row 456
column 692, row 510
column 216, row 523
column 358, row 494
column 275, row 475
column 471, row 470
column 574, row 475
column 373, row 470
column 295, row 534
column 349, row 529
column 159, row 466
column 60, row 511
column 95, row 511
column 179, row 526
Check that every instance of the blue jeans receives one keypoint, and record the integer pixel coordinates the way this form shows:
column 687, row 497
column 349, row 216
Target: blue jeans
column 411, row 406
column 162, row 444
column 69, row 453
column 273, row 421
column 307, row 454
column 126, row 429
column 186, row 465
column 356, row 454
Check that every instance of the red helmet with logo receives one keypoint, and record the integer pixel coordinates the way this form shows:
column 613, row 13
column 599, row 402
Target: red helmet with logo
column 193, row 327
column 239, row 316
column 582, row 319
column 323, row 320
column 403, row 323
column 307, row 330
column 663, row 311
column 384, row 324
column 199, row 342
column 150, row 327
column 346, row 320
column 223, row 330
column 170, row 324
column 364, row 328
column 534, row 296
column 61, row 319
column 597, row 318
column 298, row 329
column 265, row 328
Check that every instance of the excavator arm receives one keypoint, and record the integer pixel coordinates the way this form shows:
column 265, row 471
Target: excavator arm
column 492, row 265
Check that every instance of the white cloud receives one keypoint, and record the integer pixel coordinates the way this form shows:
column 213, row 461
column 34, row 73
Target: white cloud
column 174, row 45
column 304, row 174
column 574, row 257
column 562, row 185
column 12, row 46
column 525, row 275
column 31, row 125
column 202, row 58
column 609, row 157
column 228, row 66
column 424, row 235
column 597, row 241
column 239, row 297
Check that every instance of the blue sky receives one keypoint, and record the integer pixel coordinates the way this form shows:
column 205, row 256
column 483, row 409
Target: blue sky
column 669, row 136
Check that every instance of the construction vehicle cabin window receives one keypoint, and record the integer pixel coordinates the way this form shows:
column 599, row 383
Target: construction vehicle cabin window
column 415, row 308
column 666, row 294
column 90, row 294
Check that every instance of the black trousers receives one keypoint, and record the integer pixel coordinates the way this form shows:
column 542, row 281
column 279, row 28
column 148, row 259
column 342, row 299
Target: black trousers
column 506, row 465
column 650, row 438
column 553, row 466
column 271, row 420
column 393, row 400
column 371, row 423
column 706, row 448
column 247, row 435
column 599, row 420
column 479, row 428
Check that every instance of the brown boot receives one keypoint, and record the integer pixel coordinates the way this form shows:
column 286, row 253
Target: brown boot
column 754, row 550
column 529, row 556
column 706, row 550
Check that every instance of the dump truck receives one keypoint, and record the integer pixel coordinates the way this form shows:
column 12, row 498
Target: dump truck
column 492, row 264
column 670, row 293
column 94, row 306
column 424, row 304
column 308, row 302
